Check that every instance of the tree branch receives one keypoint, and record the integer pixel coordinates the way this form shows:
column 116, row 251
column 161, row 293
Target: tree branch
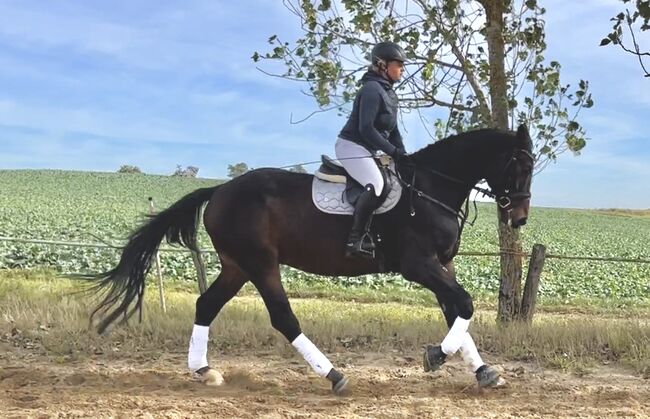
column 636, row 45
column 292, row 122
column 483, row 107
column 439, row 63
column 284, row 76
column 432, row 101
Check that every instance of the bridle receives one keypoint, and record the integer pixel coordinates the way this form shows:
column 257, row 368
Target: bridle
column 504, row 195
column 517, row 190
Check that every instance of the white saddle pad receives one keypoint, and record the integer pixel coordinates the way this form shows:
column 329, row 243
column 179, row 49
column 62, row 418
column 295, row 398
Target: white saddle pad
column 330, row 197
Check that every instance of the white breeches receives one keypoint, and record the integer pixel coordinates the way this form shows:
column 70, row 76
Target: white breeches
column 359, row 163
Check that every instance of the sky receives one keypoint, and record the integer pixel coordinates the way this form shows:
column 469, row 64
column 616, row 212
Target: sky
column 96, row 85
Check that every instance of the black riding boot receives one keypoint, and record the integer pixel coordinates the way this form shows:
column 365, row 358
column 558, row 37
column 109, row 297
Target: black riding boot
column 360, row 242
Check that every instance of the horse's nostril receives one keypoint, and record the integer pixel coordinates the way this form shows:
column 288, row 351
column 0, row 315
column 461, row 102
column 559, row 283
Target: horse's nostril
column 522, row 222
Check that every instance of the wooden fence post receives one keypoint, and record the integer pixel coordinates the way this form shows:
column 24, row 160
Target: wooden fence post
column 158, row 270
column 529, row 298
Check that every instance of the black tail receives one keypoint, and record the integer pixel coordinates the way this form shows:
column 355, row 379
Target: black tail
column 126, row 282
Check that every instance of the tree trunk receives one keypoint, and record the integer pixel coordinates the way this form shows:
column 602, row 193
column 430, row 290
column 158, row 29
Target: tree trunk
column 510, row 292
column 494, row 10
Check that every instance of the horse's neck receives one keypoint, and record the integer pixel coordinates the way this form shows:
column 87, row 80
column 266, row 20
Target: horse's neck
column 460, row 162
column 448, row 191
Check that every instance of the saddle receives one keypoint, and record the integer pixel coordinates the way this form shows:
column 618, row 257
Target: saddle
column 332, row 171
column 334, row 191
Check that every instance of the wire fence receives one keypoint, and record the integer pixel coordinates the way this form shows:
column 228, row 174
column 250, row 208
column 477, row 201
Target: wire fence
column 467, row 253
column 93, row 245
column 537, row 257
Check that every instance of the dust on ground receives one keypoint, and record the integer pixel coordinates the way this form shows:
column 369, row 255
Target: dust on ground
column 265, row 384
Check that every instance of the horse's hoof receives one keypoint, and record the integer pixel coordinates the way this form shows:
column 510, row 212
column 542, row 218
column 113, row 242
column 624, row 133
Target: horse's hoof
column 339, row 382
column 433, row 358
column 341, row 387
column 489, row 377
column 209, row 376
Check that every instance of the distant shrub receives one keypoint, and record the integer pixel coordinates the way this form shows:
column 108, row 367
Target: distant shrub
column 238, row 169
column 189, row 171
column 125, row 168
column 298, row 169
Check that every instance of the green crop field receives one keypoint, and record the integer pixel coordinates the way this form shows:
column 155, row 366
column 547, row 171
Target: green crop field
column 94, row 207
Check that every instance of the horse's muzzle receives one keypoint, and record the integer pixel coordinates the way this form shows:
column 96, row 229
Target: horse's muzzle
column 520, row 222
column 519, row 214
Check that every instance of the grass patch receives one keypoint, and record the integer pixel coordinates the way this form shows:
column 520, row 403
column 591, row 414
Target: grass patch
column 333, row 290
column 39, row 312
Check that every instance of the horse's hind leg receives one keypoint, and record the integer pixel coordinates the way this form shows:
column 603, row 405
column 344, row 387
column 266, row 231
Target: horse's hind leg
column 267, row 281
column 208, row 305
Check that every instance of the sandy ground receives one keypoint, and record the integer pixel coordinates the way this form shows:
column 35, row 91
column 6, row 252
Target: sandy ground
column 268, row 385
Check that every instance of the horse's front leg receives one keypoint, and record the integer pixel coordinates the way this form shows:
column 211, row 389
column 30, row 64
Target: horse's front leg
column 458, row 309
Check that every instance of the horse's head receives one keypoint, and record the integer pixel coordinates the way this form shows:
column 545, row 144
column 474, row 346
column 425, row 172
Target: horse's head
column 510, row 180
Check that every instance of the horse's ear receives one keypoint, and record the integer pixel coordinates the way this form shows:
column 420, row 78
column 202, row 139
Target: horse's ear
column 524, row 138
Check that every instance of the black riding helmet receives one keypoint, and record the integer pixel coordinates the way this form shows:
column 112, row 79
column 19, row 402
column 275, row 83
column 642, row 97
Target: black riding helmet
column 387, row 51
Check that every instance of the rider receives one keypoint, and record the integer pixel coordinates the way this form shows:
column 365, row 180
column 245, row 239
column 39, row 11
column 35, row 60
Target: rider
column 372, row 127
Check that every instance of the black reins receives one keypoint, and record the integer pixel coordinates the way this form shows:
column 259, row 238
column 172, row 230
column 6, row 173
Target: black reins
column 503, row 197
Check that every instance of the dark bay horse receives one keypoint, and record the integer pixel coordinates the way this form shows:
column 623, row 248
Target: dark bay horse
column 265, row 218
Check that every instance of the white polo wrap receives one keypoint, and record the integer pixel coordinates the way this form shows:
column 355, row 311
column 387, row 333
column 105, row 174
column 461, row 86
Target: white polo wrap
column 470, row 353
column 197, row 355
column 314, row 357
column 454, row 339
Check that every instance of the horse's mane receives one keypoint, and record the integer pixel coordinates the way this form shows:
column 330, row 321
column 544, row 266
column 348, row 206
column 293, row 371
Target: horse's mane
column 478, row 141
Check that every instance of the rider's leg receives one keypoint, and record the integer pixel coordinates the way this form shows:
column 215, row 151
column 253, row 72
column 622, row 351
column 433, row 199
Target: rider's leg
column 359, row 163
column 358, row 244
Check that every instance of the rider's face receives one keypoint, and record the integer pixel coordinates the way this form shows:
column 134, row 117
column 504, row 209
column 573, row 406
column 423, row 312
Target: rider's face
column 394, row 69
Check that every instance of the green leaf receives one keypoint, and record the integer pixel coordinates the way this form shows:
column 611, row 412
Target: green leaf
column 427, row 71
column 278, row 52
column 324, row 5
column 605, row 41
column 256, row 57
column 644, row 9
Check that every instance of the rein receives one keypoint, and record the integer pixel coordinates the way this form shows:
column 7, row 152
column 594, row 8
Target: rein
column 503, row 197
column 461, row 214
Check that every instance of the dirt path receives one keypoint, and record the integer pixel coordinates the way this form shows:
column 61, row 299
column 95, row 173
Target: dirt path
column 386, row 385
